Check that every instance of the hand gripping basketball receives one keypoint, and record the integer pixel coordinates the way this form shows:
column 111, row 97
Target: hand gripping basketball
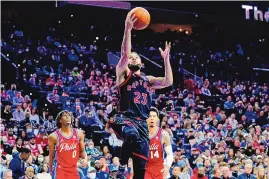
column 130, row 20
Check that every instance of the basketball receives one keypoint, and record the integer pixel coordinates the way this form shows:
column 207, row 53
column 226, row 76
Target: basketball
column 143, row 18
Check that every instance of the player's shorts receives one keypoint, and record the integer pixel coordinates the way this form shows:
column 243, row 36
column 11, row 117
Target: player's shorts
column 131, row 129
column 149, row 175
column 61, row 174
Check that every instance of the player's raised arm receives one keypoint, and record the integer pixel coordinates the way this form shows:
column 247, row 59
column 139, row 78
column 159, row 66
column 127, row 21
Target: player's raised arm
column 126, row 45
column 82, row 144
column 169, row 153
column 52, row 142
column 162, row 82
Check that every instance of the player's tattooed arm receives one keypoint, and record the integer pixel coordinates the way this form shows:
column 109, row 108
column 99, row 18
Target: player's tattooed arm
column 82, row 144
column 162, row 82
column 126, row 45
column 52, row 142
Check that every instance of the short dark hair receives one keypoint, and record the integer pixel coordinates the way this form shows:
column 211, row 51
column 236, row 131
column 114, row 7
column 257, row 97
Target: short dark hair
column 25, row 150
column 153, row 109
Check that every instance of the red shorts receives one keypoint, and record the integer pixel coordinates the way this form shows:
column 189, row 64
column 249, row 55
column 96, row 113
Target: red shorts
column 61, row 174
column 149, row 175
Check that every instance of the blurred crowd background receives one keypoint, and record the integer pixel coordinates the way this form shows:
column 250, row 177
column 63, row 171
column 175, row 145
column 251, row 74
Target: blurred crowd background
column 55, row 59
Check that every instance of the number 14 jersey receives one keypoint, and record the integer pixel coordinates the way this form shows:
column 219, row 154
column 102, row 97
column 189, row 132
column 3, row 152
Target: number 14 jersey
column 156, row 158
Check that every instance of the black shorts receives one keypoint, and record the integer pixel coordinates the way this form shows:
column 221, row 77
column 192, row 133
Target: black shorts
column 134, row 134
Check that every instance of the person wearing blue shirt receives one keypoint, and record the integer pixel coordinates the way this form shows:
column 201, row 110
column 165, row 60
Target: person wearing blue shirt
column 99, row 173
column 17, row 164
column 247, row 174
column 229, row 104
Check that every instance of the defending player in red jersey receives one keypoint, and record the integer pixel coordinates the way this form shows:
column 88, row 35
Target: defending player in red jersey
column 158, row 167
column 66, row 145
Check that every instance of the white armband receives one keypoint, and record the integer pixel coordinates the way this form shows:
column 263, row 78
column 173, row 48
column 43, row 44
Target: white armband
column 169, row 156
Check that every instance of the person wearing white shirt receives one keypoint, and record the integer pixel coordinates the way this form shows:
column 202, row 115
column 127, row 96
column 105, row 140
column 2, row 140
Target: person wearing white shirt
column 233, row 122
column 34, row 118
column 43, row 174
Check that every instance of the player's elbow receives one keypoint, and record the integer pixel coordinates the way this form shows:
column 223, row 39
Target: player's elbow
column 169, row 83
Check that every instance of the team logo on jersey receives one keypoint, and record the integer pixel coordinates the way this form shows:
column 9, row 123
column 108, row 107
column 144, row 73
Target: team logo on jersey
column 68, row 147
column 153, row 146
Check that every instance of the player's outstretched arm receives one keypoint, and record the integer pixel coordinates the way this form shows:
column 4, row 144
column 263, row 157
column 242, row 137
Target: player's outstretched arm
column 82, row 144
column 169, row 153
column 52, row 142
column 126, row 45
column 162, row 82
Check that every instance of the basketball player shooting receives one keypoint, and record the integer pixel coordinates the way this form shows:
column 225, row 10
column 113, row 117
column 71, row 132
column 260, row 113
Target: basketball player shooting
column 66, row 145
column 158, row 167
column 135, row 101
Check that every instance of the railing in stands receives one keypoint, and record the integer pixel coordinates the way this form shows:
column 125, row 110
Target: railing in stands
column 196, row 78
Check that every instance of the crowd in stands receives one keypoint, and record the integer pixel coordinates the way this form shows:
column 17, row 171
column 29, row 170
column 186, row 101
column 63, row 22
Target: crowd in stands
column 218, row 129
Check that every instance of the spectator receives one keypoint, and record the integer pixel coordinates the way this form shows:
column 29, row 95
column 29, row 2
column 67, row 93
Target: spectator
column 229, row 104
column 12, row 92
column 247, row 173
column 83, row 167
column 113, row 172
column 175, row 172
column 17, row 164
column 200, row 174
column 188, row 100
column 19, row 144
column 216, row 173
column 34, row 118
column 91, row 174
column 18, row 99
column 44, row 172
column 29, row 173
column 53, row 97
column 99, row 173
column 7, row 174
column 50, row 124
column 36, row 149
column 226, row 173
column 91, row 150
column 18, row 114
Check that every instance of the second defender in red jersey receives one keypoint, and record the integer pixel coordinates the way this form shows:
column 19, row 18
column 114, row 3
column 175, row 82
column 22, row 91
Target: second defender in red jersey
column 157, row 166
column 66, row 146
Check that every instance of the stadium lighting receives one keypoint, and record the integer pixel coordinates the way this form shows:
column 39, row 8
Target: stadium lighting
column 72, row 35
column 59, row 22
column 45, row 104
column 180, row 30
column 187, row 32
column 19, row 65
column 30, row 94
column 196, row 15
column 7, row 55
column 72, row 15
column 97, row 38
column 260, row 40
